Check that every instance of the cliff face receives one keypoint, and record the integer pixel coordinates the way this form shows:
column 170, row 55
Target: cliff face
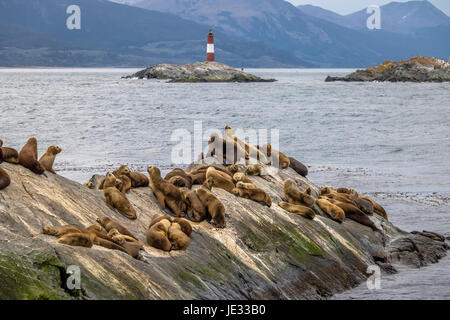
column 197, row 72
column 417, row 69
column 263, row 252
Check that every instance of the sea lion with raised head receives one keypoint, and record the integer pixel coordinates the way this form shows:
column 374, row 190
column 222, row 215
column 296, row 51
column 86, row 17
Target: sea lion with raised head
column 219, row 179
column 28, row 157
column 48, row 158
column 295, row 196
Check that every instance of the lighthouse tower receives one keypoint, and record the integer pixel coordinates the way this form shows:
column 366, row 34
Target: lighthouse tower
column 210, row 47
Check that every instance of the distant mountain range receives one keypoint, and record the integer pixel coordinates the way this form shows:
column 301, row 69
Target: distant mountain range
column 249, row 33
column 398, row 17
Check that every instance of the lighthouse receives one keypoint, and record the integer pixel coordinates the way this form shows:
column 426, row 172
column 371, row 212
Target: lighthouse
column 210, row 47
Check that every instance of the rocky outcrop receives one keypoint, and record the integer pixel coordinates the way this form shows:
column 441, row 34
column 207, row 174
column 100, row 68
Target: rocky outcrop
column 197, row 72
column 263, row 253
column 417, row 69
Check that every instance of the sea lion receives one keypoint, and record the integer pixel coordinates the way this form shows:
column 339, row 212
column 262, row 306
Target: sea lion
column 240, row 176
column 185, row 225
column 300, row 210
column 98, row 232
column 5, row 180
column 28, row 157
column 378, row 209
column 250, row 150
column 180, row 240
column 295, row 196
column 158, row 219
column 352, row 212
column 232, row 169
column 48, row 158
column 9, row 155
column 109, row 244
column 157, row 235
column 194, row 206
column 137, row 179
column 78, row 239
column 126, row 183
column 298, row 167
column 219, row 179
column 108, row 224
column 254, row 169
column 363, row 204
column 252, row 192
column 120, row 239
column 335, row 212
column 228, row 151
column 215, row 207
column 62, row 230
column 115, row 198
column 179, row 178
column 198, row 178
column 275, row 156
column 166, row 193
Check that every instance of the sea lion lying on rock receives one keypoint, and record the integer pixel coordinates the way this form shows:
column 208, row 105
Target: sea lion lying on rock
column 166, row 193
column 137, row 179
column 300, row 210
column 5, row 180
column 219, row 179
column 108, row 224
column 179, row 178
column 115, row 198
column 8, row 154
column 335, row 212
column 48, row 158
column 240, row 176
column 254, row 169
column 295, row 196
column 252, row 192
column 275, row 156
column 28, row 157
column 78, row 239
column 298, row 167
column 352, row 212
column 180, row 240
column 214, row 206
column 195, row 208
column 157, row 235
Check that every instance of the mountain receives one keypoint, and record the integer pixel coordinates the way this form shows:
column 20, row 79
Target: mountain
column 398, row 17
column 321, row 13
column 280, row 24
column 120, row 35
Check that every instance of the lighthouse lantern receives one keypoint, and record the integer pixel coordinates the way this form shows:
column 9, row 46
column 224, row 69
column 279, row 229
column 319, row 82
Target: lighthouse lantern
column 210, row 47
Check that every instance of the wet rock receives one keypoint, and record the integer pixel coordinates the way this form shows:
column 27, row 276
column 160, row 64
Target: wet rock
column 197, row 72
column 417, row 69
column 263, row 253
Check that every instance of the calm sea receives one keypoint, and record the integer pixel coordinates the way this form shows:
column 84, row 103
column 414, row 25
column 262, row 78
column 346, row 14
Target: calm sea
column 390, row 140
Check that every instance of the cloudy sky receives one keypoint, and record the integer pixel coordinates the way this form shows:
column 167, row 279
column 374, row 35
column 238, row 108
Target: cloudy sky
column 349, row 6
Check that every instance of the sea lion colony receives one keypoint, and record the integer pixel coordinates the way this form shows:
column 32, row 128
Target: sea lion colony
column 176, row 191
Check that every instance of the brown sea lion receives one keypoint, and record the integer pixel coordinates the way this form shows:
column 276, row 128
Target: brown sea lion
column 295, row 196
column 240, row 176
column 78, row 239
column 62, row 230
column 363, row 204
column 108, row 224
column 352, row 212
column 126, row 183
column 179, row 239
column 275, row 156
column 158, row 219
column 378, row 209
column 298, row 167
column 157, row 235
column 254, row 169
column 195, row 207
column 28, row 157
column 185, row 225
column 215, row 207
column 179, row 178
column 5, row 180
column 300, row 210
column 251, row 192
column 166, row 193
column 9, row 155
column 120, row 239
column 335, row 212
column 115, row 198
column 219, row 179
column 137, row 179
column 228, row 151
column 232, row 169
column 48, row 158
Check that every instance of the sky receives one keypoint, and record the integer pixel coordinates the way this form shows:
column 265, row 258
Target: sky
column 350, row 6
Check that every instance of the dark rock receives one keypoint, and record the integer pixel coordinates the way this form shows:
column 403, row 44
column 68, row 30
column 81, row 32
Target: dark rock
column 417, row 69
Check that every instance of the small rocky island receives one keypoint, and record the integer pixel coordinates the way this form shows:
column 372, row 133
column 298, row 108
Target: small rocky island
column 197, row 72
column 417, row 69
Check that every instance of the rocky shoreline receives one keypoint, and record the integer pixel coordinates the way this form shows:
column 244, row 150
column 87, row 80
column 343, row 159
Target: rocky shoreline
column 417, row 69
column 263, row 253
column 197, row 72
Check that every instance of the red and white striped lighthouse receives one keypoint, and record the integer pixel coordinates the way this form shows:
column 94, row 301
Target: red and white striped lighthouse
column 210, row 47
